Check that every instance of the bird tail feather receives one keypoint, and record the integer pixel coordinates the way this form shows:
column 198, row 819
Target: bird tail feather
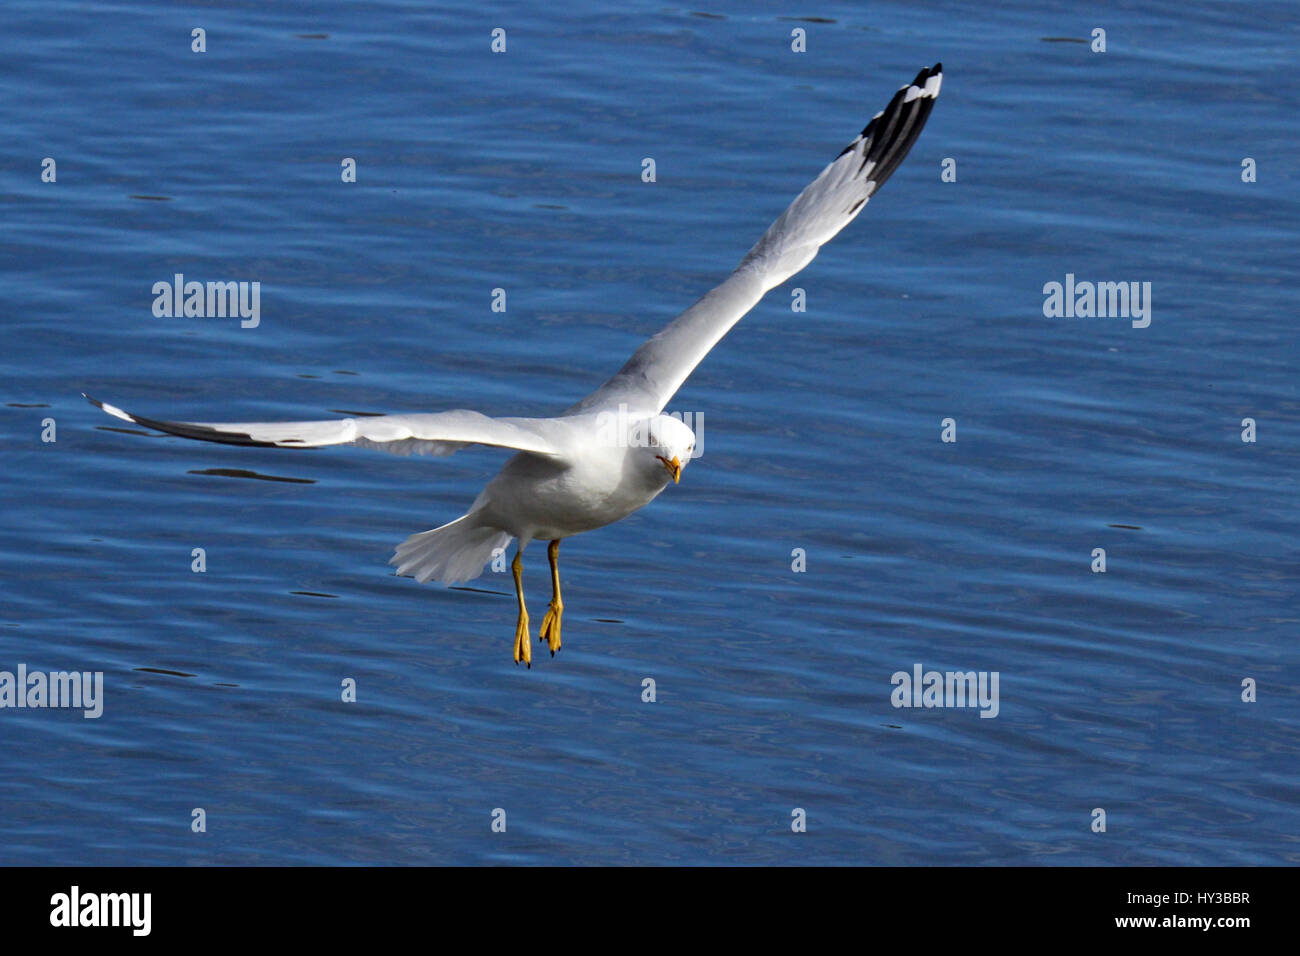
column 455, row 552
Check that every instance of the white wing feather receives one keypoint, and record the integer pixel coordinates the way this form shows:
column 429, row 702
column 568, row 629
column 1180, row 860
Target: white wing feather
column 440, row 433
column 650, row 378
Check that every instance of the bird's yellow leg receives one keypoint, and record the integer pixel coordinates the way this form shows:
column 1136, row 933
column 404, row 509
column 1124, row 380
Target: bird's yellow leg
column 523, row 649
column 550, row 630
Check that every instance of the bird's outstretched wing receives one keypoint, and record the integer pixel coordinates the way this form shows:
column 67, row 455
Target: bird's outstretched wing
column 657, row 369
column 440, row 433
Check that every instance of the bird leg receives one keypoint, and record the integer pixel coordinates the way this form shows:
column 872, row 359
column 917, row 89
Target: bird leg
column 550, row 630
column 523, row 649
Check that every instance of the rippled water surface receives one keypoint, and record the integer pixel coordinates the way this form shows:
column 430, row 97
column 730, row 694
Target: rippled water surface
column 522, row 171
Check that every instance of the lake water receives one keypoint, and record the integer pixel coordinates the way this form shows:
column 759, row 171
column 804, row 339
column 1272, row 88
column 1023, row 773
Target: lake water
column 1119, row 691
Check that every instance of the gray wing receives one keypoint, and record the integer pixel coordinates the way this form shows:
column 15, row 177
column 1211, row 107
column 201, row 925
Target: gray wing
column 440, row 433
column 650, row 378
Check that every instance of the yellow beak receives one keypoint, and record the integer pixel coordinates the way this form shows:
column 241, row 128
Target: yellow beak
column 674, row 468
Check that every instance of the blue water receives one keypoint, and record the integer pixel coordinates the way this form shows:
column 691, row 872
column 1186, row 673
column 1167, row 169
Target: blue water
column 1120, row 691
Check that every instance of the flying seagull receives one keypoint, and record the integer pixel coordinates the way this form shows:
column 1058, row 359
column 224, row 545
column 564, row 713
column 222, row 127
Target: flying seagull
column 615, row 451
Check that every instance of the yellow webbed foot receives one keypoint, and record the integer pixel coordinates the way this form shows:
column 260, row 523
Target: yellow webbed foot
column 523, row 647
column 550, row 630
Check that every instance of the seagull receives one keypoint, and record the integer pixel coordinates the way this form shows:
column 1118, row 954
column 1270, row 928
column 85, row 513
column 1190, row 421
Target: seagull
column 614, row 451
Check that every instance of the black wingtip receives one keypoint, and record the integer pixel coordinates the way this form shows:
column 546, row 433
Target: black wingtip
column 890, row 135
column 183, row 429
column 926, row 73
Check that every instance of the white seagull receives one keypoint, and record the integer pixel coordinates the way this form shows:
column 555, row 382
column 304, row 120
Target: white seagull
column 615, row 451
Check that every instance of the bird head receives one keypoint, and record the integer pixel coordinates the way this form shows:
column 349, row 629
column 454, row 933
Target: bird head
column 668, row 443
